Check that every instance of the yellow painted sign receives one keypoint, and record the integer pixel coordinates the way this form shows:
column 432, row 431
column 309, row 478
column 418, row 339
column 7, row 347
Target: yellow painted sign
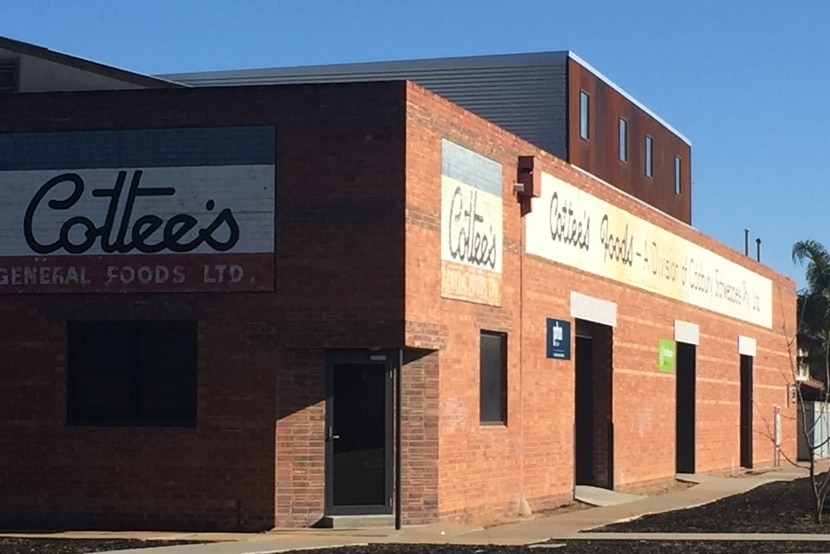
column 569, row 226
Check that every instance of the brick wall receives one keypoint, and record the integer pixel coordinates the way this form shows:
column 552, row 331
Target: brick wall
column 255, row 457
column 347, row 231
column 488, row 472
column 419, row 446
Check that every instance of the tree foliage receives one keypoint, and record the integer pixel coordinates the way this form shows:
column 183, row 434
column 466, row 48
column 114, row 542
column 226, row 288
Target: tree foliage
column 813, row 335
column 814, row 305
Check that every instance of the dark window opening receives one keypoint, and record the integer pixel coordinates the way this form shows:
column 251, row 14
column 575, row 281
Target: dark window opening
column 132, row 373
column 493, row 378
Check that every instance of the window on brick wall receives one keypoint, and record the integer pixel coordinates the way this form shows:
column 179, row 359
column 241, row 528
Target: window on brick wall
column 649, row 161
column 132, row 373
column 493, row 377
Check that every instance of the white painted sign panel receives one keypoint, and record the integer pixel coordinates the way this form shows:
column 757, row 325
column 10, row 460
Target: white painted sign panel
column 156, row 210
column 569, row 226
column 138, row 210
column 472, row 233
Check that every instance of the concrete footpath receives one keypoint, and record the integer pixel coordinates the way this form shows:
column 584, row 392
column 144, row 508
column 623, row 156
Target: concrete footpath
column 558, row 525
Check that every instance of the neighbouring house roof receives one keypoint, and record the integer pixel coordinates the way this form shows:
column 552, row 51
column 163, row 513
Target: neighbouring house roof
column 86, row 65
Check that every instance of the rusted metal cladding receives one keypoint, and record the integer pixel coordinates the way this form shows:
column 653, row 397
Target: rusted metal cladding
column 600, row 153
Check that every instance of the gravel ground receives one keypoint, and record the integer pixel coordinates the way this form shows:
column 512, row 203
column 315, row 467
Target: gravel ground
column 78, row 546
column 75, row 546
column 783, row 507
column 593, row 547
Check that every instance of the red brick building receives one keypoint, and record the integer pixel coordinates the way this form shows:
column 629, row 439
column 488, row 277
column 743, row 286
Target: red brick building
column 247, row 307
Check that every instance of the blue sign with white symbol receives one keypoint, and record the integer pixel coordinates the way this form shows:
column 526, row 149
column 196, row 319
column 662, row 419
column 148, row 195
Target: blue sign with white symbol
column 559, row 339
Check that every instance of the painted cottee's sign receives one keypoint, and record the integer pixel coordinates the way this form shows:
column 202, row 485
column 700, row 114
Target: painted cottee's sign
column 569, row 226
column 154, row 210
column 472, row 233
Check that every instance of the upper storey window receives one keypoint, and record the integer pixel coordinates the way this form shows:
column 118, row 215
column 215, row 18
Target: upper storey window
column 649, row 161
column 623, row 132
column 584, row 115
column 677, row 179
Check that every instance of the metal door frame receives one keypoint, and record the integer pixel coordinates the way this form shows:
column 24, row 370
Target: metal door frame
column 386, row 359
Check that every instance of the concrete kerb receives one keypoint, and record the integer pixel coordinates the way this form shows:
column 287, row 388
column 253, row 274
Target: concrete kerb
column 766, row 537
column 247, row 547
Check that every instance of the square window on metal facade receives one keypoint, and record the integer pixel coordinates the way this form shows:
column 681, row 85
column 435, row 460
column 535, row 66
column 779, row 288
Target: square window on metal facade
column 584, row 115
column 493, row 378
column 677, row 179
column 649, row 161
column 131, row 373
column 623, row 138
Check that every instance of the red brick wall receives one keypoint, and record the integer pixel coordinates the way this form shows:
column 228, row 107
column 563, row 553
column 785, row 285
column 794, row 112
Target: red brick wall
column 419, row 447
column 261, row 363
column 215, row 475
column 488, row 472
column 255, row 458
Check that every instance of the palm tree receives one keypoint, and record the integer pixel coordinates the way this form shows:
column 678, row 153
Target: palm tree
column 813, row 335
column 814, row 306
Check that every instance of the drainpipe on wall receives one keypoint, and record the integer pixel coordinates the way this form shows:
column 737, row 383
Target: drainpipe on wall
column 398, row 439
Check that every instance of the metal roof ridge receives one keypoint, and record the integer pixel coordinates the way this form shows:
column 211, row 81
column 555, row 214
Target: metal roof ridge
column 427, row 63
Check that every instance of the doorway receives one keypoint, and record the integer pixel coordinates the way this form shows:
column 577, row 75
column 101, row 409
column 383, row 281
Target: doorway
column 685, row 385
column 593, row 425
column 358, row 436
column 746, row 411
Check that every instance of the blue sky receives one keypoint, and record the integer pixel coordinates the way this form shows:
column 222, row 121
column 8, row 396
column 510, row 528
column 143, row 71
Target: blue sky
column 747, row 83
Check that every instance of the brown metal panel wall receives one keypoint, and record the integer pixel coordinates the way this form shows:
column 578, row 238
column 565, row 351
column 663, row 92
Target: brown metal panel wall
column 600, row 153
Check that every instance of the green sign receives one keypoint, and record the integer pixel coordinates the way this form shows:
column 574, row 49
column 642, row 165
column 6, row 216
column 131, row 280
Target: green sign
column 665, row 355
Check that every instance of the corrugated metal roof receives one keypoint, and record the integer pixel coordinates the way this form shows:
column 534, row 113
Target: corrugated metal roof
column 366, row 70
column 524, row 93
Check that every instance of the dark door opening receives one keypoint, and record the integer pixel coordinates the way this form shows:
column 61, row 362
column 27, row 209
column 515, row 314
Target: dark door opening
column 584, row 436
column 593, row 426
column 685, row 383
column 358, row 438
column 746, row 411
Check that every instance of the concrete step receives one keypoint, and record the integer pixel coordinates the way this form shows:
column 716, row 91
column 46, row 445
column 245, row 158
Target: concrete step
column 357, row 521
column 596, row 496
